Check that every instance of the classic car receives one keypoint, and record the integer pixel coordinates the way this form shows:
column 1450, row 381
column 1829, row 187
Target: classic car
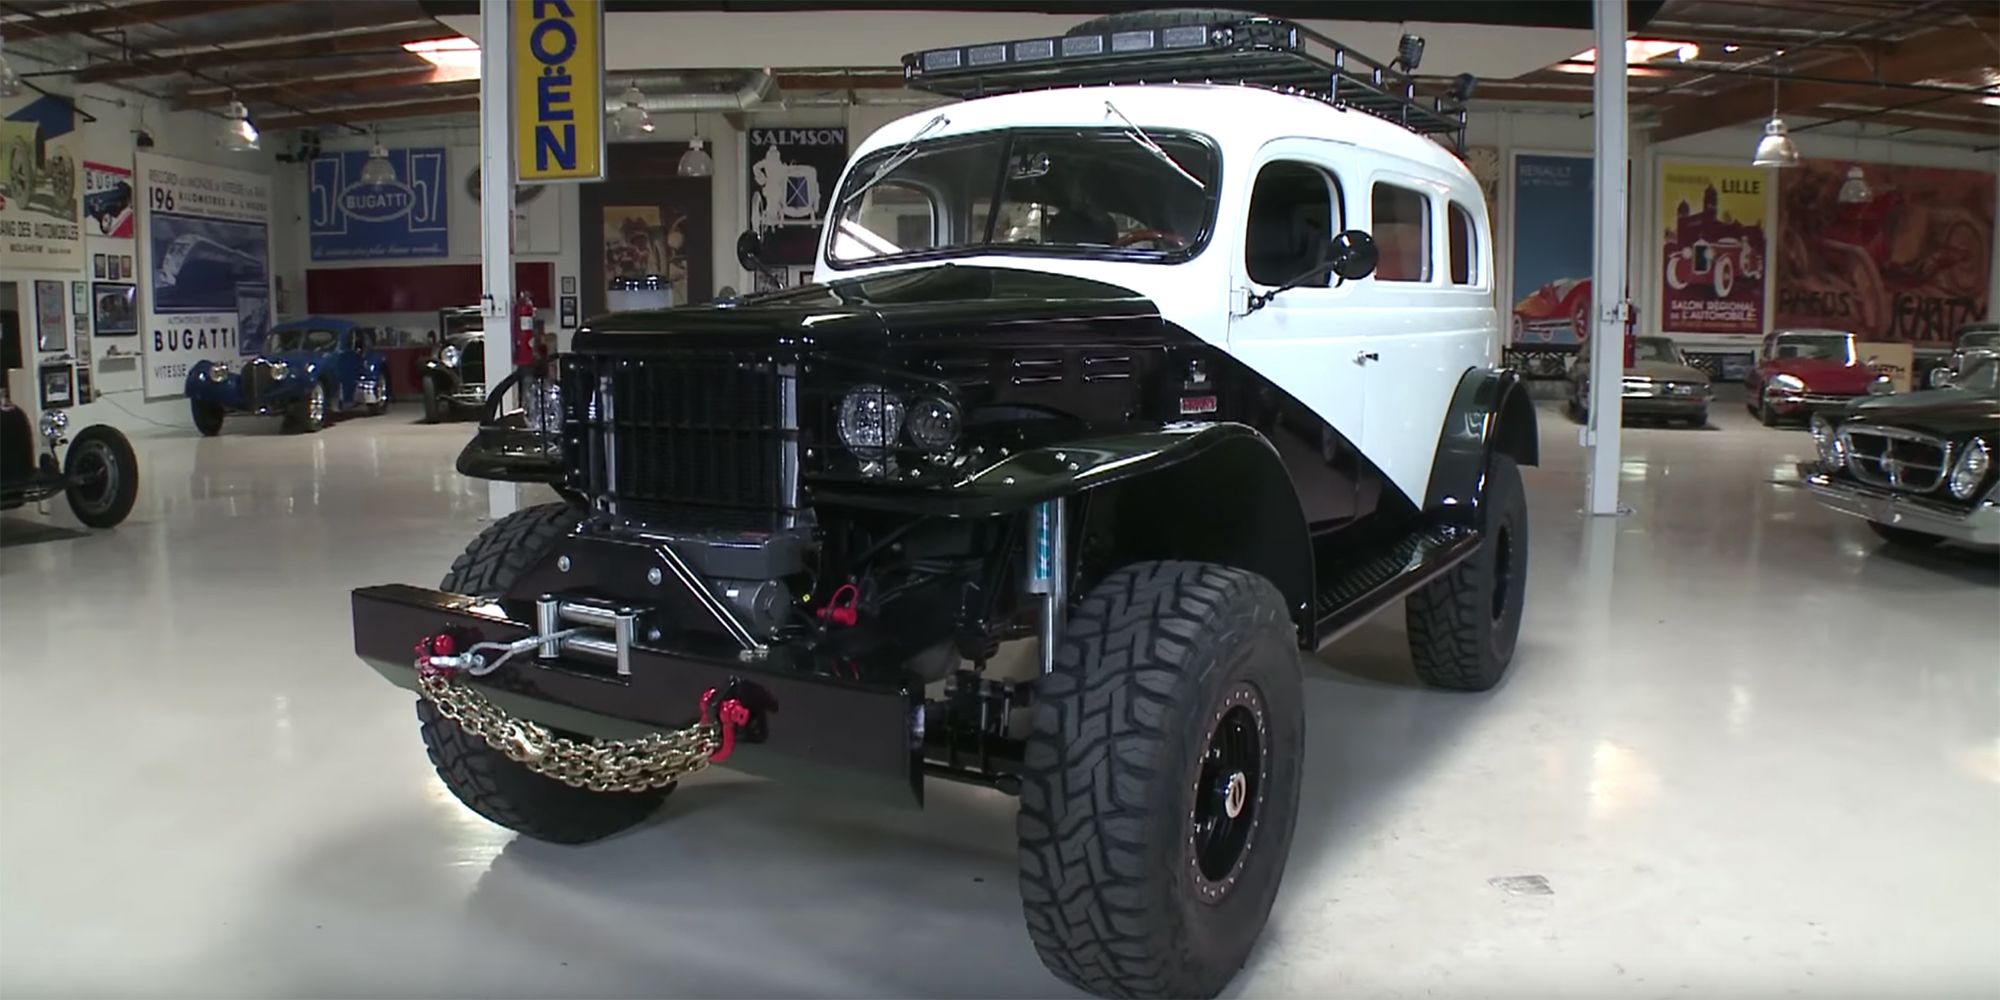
column 454, row 376
column 1800, row 371
column 304, row 371
column 99, row 476
column 109, row 207
column 1973, row 339
column 1561, row 306
column 1919, row 467
column 1659, row 383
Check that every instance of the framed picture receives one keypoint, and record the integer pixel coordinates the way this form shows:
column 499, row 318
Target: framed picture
column 569, row 284
column 97, row 267
column 125, row 267
column 58, row 386
column 51, row 319
column 568, row 312
column 79, row 301
column 114, row 307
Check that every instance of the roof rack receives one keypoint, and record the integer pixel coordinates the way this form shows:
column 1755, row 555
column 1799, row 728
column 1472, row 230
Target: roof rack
column 1263, row 51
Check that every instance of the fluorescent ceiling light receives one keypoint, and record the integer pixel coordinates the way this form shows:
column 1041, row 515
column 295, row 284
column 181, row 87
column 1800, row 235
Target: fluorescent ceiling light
column 1638, row 52
column 456, row 58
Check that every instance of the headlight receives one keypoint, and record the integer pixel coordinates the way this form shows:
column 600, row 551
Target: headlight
column 934, row 424
column 871, row 418
column 53, row 422
column 1971, row 470
column 279, row 370
column 1882, row 386
column 449, row 357
column 543, row 404
column 218, row 372
column 1828, row 439
column 1788, row 383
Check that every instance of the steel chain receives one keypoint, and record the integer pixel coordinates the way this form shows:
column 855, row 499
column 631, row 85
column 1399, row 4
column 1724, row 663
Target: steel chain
column 651, row 761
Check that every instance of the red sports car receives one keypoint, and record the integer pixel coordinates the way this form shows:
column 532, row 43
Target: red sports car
column 1559, row 307
column 1800, row 371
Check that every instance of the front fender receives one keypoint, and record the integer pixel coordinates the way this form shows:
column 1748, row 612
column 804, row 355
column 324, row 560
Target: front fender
column 199, row 386
column 505, row 449
column 1490, row 412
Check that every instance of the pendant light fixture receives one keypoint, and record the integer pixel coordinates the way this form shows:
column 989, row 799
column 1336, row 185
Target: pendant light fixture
column 237, row 132
column 1855, row 190
column 10, row 81
column 1776, row 148
column 633, row 119
column 695, row 162
column 378, row 171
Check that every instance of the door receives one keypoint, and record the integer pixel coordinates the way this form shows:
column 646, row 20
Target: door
column 1301, row 340
column 349, row 360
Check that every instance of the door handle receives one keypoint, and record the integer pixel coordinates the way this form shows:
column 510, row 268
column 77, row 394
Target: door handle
column 1366, row 356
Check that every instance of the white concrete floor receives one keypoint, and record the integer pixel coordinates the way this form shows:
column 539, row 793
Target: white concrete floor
column 1752, row 752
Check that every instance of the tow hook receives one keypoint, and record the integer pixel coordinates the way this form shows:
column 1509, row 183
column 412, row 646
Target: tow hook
column 732, row 715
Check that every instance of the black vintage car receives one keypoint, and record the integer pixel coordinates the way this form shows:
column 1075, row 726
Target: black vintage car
column 100, row 475
column 454, row 375
column 1919, row 467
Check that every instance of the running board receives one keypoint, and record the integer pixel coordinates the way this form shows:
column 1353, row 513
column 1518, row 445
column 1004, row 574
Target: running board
column 1362, row 582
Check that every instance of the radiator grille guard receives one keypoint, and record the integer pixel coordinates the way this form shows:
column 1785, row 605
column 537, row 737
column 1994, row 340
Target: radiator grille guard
column 704, row 441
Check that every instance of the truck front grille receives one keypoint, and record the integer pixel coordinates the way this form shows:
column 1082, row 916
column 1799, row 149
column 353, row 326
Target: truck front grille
column 1909, row 461
column 691, row 441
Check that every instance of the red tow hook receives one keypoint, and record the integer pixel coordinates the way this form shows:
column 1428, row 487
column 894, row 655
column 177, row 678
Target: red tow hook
column 733, row 714
column 844, row 609
column 439, row 646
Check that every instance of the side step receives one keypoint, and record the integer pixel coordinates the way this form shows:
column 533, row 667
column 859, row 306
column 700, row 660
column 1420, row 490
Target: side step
column 1356, row 583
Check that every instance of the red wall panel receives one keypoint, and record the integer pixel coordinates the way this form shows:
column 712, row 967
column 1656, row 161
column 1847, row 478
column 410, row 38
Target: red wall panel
column 347, row 290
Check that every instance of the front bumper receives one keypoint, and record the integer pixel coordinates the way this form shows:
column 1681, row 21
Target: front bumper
column 1653, row 405
column 1798, row 403
column 1977, row 525
column 865, row 736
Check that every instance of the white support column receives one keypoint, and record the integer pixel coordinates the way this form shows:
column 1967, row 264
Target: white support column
column 1608, row 278
column 496, row 211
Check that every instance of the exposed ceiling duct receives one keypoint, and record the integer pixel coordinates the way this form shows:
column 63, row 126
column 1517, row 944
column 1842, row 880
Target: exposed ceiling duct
column 674, row 93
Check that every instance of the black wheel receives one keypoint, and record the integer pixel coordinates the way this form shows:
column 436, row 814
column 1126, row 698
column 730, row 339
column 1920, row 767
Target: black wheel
column 207, row 417
column 1160, row 781
column 1765, row 415
column 1140, row 20
column 484, row 778
column 433, row 406
column 1904, row 537
column 103, row 474
column 1463, row 625
column 309, row 413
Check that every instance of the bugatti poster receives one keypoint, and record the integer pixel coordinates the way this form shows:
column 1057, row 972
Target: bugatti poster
column 204, row 252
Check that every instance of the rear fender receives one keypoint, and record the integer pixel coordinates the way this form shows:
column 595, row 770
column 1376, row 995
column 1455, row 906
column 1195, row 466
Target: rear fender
column 1491, row 413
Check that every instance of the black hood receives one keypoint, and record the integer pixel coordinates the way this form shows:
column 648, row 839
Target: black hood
column 1945, row 418
column 948, row 302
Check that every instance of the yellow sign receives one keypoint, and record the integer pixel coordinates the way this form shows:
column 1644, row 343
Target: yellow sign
column 558, row 64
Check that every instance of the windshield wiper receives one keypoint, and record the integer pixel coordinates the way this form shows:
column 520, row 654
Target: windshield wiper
column 1138, row 135
column 896, row 159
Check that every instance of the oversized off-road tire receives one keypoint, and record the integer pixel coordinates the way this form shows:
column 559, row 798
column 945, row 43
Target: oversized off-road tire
column 207, row 417
column 484, row 778
column 1160, row 780
column 103, row 474
column 1904, row 537
column 1463, row 625
column 433, row 406
column 1174, row 17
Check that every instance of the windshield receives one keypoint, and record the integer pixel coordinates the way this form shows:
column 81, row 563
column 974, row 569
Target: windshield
column 302, row 340
column 1656, row 349
column 1981, row 375
column 1095, row 191
column 1817, row 347
column 1980, row 339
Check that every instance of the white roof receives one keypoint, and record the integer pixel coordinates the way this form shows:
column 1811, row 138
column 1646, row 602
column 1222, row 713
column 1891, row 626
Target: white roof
column 1239, row 118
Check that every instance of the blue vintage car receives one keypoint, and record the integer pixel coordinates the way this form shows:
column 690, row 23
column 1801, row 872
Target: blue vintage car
column 306, row 370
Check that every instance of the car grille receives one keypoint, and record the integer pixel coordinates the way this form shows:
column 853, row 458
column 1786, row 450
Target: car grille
column 1909, row 461
column 693, row 441
column 472, row 363
column 256, row 382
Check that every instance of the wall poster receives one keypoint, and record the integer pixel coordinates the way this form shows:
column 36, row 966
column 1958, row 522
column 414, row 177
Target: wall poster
column 397, row 220
column 645, row 220
column 107, row 199
column 1713, row 255
column 204, row 261
column 40, row 186
column 1552, row 256
column 792, row 172
column 1909, row 265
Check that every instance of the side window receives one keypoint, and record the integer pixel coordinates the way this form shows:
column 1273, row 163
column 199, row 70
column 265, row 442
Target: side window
column 1402, row 233
column 1464, row 264
column 1294, row 208
column 891, row 218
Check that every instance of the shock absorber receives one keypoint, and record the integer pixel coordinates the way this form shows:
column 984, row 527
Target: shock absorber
column 1048, row 573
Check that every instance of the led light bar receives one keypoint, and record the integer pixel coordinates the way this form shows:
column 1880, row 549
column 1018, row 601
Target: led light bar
column 1255, row 50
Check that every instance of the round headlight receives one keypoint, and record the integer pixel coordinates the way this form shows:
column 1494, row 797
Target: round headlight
column 449, row 356
column 543, row 404
column 218, row 371
column 934, row 424
column 53, row 422
column 871, row 418
column 279, row 370
column 1788, row 383
column 1971, row 470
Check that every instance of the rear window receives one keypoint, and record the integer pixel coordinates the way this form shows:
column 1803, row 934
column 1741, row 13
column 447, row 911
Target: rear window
column 1464, row 271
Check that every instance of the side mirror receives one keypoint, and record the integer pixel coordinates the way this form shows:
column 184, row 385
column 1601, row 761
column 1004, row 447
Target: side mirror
column 1942, row 377
column 750, row 250
column 1352, row 255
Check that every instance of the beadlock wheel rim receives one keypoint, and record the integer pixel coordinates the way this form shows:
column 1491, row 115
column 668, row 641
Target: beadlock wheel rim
column 1229, row 786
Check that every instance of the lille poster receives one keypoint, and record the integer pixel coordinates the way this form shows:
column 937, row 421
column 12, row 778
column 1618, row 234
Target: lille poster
column 1712, row 220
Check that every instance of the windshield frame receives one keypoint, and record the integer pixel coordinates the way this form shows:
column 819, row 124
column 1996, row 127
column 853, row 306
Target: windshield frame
column 274, row 341
column 1211, row 197
column 1849, row 356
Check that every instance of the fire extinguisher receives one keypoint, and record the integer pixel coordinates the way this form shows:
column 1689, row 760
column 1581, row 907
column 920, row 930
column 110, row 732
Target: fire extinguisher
column 527, row 347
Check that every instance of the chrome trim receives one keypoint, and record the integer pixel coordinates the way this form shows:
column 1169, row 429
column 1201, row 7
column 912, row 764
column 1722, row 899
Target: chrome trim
column 788, row 461
column 606, row 408
column 1894, row 473
column 625, row 631
column 548, row 619
column 1978, row 524
column 1048, row 574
